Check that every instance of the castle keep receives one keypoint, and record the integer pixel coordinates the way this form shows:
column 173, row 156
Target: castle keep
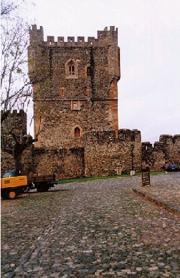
column 76, row 106
column 75, row 97
column 77, row 92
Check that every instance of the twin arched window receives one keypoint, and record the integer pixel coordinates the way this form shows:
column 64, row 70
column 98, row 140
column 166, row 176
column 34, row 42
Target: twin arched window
column 71, row 68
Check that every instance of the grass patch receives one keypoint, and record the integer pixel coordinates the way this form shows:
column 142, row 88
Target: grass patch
column 84, row 179
column 152, row 173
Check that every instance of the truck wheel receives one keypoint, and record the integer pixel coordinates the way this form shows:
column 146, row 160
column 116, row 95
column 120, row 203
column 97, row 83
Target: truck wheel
column 12, row 195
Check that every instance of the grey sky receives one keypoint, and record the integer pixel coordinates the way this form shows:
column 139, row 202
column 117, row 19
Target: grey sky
column 149, row 38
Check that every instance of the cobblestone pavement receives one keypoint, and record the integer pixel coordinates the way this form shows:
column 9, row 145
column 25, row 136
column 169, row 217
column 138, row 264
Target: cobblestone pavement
column 94, row 229
column 164, row 191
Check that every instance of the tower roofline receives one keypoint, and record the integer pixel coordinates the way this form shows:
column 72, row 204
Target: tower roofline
column 104, row 37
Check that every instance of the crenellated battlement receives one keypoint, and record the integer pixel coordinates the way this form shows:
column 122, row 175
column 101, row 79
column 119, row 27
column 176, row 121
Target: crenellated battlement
column 166, row 150
column 14, row 113
column 104, row 37
column 129, row 135
column 111, row 136
column 36, row 34
column 14, row 120
column 176, row 138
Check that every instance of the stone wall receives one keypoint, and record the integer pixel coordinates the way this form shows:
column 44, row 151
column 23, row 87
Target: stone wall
column 8, row 163
column 105, row 153
column 64, row 163
column 166, row 150
column 112, row 152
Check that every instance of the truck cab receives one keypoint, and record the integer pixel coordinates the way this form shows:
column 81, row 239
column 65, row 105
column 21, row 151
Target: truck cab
column 12, row 184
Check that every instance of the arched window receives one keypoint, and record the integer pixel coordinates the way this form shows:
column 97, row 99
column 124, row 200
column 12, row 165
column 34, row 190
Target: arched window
column 77, row 132
column 71, row 69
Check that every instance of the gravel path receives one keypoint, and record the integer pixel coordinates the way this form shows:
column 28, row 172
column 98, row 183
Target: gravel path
column 93, row 229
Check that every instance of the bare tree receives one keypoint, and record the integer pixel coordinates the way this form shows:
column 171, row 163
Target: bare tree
column 15, row 84
column 7, row 7
column 15, row 143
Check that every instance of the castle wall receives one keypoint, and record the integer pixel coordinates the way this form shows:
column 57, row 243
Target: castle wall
column 166, row 150
column 64, row 163
column 111, row 152
column 105, row 153
column 101, row 153
column 7, row 162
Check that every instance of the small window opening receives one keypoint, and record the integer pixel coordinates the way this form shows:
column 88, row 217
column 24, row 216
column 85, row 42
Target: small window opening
column 62, row 91
column 77, row 132
column 88, row 71
column 75, row 105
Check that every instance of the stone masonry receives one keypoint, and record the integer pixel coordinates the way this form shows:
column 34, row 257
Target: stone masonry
column 112, row 153
column 16, row 122
column 64, row 163
column 104, row 153
column 166, row 150
column 77, row 92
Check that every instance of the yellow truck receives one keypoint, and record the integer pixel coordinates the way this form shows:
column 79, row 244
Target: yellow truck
column 13, row 184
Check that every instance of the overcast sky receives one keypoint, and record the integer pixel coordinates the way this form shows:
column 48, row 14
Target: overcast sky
column 149, row 39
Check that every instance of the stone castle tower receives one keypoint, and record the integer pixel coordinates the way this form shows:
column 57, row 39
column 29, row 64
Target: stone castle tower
column 76, row 90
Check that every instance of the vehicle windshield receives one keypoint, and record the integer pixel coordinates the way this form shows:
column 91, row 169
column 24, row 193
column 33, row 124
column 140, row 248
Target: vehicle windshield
column 11, row 173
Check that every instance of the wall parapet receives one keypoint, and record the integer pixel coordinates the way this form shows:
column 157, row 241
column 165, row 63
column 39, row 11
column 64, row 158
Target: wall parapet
column 14, row 112
column 112, row 136
column 14, row 120
column 107, row 36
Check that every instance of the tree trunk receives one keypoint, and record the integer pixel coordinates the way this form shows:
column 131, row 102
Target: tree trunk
column 18, row 164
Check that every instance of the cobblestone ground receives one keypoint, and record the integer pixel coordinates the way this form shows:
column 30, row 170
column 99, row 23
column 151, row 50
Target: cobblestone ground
column 165, row 191
column 94, row 229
